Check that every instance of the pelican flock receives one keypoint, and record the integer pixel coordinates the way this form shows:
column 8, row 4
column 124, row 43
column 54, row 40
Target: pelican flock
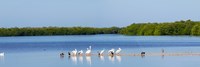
column 75, row 55
column 88, row 52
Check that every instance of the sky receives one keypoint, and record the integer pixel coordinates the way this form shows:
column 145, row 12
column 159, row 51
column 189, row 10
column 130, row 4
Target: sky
column 94, row 13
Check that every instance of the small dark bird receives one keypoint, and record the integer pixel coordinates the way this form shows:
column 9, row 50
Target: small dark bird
column 163, row 50
column 69, row 53
column 142, row 53
column 62, row 54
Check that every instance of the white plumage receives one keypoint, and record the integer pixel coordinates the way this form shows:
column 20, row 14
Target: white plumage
column 80, row 52
column 2, row 54
column 118, row 51
column 89, row 50
column 112, row 51
column 101, row 52
column 74, row 52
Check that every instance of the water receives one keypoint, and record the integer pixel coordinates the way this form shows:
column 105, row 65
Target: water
column 43, row 51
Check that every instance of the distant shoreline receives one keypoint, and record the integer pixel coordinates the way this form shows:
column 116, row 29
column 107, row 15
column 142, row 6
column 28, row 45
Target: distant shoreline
column 187, row 27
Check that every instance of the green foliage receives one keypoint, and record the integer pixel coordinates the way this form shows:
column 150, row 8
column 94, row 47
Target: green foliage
column 187, row 27
column 173, row 28
column 196, row 29
column 57, row 31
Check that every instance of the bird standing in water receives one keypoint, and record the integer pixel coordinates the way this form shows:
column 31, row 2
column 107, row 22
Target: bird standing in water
column 111, row 52
column 89, row 50
column 80, row 53
column 118, row 51
column 100, row 53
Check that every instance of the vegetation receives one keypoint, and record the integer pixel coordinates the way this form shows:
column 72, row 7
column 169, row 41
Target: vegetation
column 174, row 28
column 187, row 27
column 56, row 31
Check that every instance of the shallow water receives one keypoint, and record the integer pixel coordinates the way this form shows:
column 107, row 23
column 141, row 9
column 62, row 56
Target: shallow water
column 43, row 51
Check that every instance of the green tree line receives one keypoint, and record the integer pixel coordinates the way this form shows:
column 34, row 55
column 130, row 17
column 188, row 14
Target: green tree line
column 28, row 31
column 187, row 27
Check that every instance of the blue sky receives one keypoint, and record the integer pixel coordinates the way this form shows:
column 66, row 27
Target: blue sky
column 94, row 13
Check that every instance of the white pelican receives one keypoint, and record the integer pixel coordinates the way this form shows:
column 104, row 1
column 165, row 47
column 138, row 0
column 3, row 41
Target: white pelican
column 80, row 52
column 100, row 53
column 111, row 52
column 2, row 54
column 88, row 52
column 74, row 52
column 118, row 51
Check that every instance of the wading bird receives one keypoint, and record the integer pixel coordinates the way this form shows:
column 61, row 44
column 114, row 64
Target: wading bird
column 100, row 53
column 89, row 50
column 111, row 52
column 73, row 53
column 118, row 51
column 80, row 53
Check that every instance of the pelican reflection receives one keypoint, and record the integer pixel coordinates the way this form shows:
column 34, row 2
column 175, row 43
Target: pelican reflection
column 118, row 58
column 2, row 58
column 80, row 58
column 111, row 58
column 101, row 58
column 89, row 60
column 74, row 59
column 62, row 56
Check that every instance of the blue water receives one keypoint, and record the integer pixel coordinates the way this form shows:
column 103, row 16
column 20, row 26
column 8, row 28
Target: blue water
column 43, row 51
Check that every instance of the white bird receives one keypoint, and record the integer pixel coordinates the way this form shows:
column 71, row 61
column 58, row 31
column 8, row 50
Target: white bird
column 112, row 51
column 80, row 52
column 100, row 53
column 88, row 52
column 2, row 54
column 118, row 51
column 74, row 52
